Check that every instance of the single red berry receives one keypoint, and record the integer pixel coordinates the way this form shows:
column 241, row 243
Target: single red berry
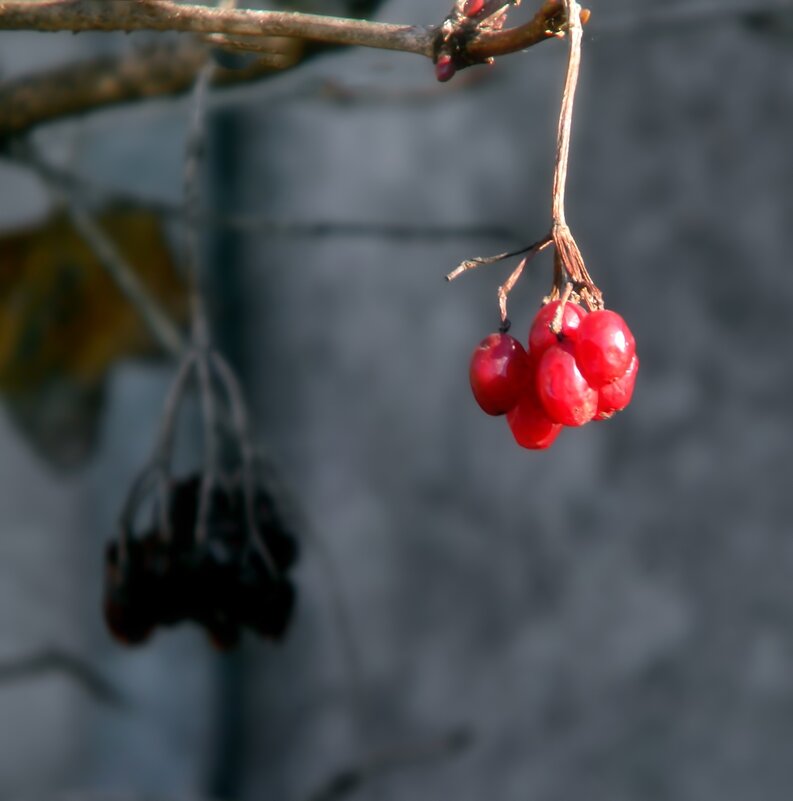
column 473, row 7
column 542, row 337
column 604, row 347
column 563, row 391
column 498, row 372
column 444, row 68
column 528, row 420
column 616, row 395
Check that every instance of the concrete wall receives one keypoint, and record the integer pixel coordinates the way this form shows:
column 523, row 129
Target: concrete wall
column 611, row 618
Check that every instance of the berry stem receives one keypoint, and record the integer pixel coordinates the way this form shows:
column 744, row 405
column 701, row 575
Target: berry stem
column 556, row 324
column 569, row 267
column 509, row 284
column 472, row 264
column 574, row 33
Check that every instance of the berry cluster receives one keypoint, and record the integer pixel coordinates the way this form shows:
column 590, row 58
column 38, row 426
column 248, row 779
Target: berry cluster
column 586, row 371
column 224, row 581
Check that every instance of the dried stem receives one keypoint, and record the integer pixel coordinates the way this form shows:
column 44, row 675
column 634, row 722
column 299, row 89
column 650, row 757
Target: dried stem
column 509, row 284
column 569, row 265
column 566, row 114
column 571, row 279
column 471, row 264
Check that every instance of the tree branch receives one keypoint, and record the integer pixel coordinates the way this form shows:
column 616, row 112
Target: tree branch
column 283, row 40
column 158, row 71
column 165, row 15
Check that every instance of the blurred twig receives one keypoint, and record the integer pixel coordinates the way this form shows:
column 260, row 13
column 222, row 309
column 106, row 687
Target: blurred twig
column 350, row 779
column 54, row 660
column 156, row 319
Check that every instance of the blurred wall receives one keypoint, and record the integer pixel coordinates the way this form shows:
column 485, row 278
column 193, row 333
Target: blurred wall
column 611, row 618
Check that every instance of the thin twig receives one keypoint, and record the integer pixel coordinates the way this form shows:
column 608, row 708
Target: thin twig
column 56, row 660
column 506, row 288
column 199, row 329
column 157, row 320
column 471, row 264
column 347, row 781
column 244, row 439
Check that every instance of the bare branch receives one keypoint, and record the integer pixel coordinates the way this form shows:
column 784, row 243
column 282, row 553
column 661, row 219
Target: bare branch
column 159, row 71
column 28, row 101
column 165, row 15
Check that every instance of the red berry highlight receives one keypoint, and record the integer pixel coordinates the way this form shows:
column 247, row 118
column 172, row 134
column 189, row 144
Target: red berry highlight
column 541, row 337
column 444, row 68
column 499, row 371
column 604, row 347
column 616, row 395
column 473, row 7
column 564, row 393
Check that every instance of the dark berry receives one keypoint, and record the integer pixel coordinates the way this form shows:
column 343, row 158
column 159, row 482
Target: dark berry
column 498, row 372
column 542, row 337
column 616, row 395
column 563, row 391
column 604, row 347
column 125, row 623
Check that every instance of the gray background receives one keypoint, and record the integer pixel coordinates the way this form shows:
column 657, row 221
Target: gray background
column 611, row 618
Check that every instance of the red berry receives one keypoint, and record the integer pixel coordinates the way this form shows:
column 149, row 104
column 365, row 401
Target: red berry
column 473, row 7
column 499, row 371
column 444, row 68
column 563, row 391
column 540, row 335
column 528, row 420
column 604, row 347
column 616, row 395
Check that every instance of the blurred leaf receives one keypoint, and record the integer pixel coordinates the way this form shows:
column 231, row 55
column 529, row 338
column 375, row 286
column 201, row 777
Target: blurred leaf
column 64, row 323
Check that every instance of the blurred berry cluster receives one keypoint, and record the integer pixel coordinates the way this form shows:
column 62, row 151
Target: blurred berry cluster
column 230, row 575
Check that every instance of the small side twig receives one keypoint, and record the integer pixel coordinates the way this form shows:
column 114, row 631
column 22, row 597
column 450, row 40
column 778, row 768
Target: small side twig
column 471, row 264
